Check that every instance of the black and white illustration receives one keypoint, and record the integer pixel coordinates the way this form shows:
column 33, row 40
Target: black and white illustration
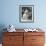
column 26, row 13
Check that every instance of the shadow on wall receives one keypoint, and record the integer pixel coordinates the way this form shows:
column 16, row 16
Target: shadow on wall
column 2, row 26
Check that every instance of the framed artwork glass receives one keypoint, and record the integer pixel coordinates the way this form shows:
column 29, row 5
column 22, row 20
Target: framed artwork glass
column 26, row 13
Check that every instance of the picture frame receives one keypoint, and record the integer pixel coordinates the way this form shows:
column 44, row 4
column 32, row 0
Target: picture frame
column 26, row 13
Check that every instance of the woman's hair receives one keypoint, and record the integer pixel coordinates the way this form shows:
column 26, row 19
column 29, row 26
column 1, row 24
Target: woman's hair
column 24, row 8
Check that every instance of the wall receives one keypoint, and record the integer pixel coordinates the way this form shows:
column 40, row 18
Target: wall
column 10, row 13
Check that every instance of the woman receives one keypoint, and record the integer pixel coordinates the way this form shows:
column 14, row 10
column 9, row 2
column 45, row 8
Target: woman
column 26, row 14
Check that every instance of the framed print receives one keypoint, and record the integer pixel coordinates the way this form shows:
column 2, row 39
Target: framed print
column 26, row 13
